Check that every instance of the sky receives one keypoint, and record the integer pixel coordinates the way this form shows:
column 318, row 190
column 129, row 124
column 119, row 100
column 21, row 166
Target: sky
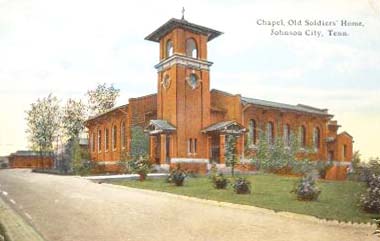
column 68, row 47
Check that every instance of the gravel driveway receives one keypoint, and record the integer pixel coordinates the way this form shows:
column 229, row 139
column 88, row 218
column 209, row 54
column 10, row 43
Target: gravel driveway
column 73, row 209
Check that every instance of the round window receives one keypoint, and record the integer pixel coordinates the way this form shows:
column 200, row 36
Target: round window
column 166, row 82
column 193, row 81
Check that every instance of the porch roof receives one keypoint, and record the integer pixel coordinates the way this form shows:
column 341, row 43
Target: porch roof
column 159, row 126
column 228, row 127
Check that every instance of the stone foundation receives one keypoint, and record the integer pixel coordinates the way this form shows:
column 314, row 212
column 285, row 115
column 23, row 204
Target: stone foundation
column 245, row 167
column 112, row 168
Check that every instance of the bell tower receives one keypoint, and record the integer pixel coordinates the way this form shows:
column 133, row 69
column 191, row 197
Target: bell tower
column 183, row 86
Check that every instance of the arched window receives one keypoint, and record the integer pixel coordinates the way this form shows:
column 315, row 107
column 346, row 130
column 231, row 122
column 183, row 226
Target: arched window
column 99, row 140
column 286, row 135
column 122, row 135
column 169, row 48
column 344, row 153
column 270, row 133
column 317, row 138
column 191, row 48
column 252, row 132
column 302, row 134
column 106, row 139
column 189, row 146
column 114, row 137
column 93, row 142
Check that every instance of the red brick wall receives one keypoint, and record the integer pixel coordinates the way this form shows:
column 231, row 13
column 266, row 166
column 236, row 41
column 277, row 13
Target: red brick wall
column 186, row 108
column 178, row 37
column 142, row 109
column 279, row 118
column 108, row 121
column 336, row 173
column 198, row 168
column 139, row 112
column 230, row 103
column 344, row 140
column 30, row 162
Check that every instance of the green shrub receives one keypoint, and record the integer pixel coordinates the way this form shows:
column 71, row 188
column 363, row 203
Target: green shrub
column 322, row 167
column 177, row 176
column 306, row 189
column 219, row 181
column 83, row 168
column 371, row 200
column 364, row 171
column 140, row 166
column 213, row 170
column 302, row 166
column 242, row 186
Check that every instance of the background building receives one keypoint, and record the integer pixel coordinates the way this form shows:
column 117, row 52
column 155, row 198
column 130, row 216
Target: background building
column 30, row 159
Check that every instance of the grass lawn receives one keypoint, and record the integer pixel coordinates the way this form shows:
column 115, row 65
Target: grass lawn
column 338, row 200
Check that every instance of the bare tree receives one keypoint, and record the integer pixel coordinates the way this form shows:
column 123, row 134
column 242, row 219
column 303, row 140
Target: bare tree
column 43, row 124
column 74, row 115
column 102, row 98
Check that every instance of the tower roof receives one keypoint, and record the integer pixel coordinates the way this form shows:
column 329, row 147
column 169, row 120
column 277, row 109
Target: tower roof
column 178, row 23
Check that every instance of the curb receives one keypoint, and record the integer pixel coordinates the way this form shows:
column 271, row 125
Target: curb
column 122, row 177
column 15, row 227
column 296, row 216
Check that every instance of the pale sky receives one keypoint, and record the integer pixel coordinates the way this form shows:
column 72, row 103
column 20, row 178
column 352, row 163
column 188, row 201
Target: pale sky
column 67, row 47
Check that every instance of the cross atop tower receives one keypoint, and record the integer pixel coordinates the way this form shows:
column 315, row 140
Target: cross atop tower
column 183, row 13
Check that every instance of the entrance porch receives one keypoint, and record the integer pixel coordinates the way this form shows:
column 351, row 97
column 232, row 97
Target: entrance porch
column 217, row 137
column 160, row 141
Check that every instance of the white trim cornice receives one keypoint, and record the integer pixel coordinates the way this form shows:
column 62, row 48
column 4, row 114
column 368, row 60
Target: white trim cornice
column 183, row 60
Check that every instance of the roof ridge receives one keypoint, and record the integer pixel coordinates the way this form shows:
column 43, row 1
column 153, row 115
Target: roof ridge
column 108, row 111
column 311, row 107
column 223, row 92
column 144, row 96
column 279, row 105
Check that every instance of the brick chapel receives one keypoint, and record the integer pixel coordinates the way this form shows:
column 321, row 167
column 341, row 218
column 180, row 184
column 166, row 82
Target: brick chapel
column 187, row 122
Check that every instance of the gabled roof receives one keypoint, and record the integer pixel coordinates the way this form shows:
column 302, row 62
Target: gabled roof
column 229, row 127
column 177, row 23
column 107, row 112
column 159, row 126
column 346, row 133
column 276, row 105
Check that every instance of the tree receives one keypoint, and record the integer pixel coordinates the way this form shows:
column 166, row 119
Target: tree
column 231, row 153
column 43, row 124
column 102, row 98
column 73, row 117
column 139, row 153
column 356, row 158
column 139, row 143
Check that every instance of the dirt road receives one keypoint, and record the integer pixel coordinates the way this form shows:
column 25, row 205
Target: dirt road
column 73, row 209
